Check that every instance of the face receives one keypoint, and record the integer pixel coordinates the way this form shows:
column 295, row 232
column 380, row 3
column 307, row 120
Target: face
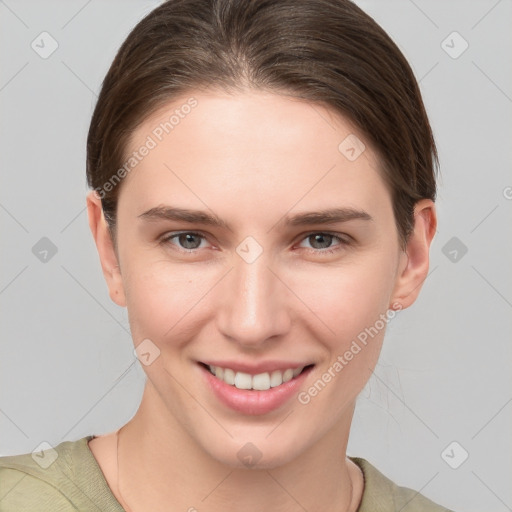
column 228, row 256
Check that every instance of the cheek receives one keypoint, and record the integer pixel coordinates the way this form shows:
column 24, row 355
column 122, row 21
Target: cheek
column 353, row 310
column 333, row 303
column 350, row 306
column 345, row 299
column 160, row 297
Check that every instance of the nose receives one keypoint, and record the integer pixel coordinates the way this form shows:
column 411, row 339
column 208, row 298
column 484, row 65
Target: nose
column 253, row 306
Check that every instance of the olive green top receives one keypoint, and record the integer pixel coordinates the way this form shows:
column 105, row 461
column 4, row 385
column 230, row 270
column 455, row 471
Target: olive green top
column 68, row 478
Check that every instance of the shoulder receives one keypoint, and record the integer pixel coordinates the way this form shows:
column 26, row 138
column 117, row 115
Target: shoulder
column 32, row 481
column 63, row 478
column 380, row 494
column 20, row 490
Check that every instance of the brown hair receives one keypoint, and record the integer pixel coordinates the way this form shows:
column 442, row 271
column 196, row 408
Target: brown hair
column 324, row 51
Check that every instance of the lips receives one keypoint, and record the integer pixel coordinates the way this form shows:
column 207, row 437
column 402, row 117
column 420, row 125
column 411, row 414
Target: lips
column 254, row 368
column 260, row 381
column 255, row 391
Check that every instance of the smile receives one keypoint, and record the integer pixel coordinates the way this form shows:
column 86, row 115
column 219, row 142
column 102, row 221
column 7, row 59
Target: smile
column 259, row 382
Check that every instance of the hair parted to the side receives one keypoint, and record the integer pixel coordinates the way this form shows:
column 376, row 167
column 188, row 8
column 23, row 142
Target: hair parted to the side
column 325, row 51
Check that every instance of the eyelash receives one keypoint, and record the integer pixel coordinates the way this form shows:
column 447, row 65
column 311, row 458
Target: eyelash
column 344, row 241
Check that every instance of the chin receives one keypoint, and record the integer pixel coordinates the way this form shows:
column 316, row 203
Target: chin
column 256, row 454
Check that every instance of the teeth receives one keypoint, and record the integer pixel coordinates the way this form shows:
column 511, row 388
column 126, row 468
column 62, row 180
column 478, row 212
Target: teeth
column 287, row 375
column 243, row 380
column 260, row 382
column 229, row 375
column 276, row 379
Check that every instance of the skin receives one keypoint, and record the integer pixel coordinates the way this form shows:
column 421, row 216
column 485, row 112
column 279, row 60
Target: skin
column 251, row 158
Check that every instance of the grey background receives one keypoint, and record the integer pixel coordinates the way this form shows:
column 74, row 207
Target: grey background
column 67, row 366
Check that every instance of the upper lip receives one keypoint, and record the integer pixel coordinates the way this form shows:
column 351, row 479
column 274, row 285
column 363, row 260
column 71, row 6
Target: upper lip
column 256, row 368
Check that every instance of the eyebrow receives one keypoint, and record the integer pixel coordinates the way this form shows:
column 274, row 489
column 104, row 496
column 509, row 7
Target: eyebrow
column 326, row 216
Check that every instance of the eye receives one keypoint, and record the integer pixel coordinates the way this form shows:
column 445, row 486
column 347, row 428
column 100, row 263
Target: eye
column 187, row 240
column 324, row 240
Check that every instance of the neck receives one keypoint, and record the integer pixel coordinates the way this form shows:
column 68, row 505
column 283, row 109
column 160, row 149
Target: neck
column 162, row 468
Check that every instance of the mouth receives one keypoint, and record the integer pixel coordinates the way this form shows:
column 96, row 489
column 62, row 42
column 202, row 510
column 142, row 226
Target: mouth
column 256, row 382
column 254, row 393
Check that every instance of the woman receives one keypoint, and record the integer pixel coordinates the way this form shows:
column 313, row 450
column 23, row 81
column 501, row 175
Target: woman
column 263, row 187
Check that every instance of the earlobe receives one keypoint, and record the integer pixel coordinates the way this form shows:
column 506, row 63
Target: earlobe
column 414, row 262
column 106, row 250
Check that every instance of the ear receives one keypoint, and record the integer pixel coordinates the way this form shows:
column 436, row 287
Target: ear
column 106, row 250
column 414, row 261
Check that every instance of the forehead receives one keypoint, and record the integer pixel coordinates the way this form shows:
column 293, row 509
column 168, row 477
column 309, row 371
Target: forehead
column 269, row 148
column 251, row 120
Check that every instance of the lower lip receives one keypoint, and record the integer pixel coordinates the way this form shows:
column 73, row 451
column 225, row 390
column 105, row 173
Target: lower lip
column 251, row 401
